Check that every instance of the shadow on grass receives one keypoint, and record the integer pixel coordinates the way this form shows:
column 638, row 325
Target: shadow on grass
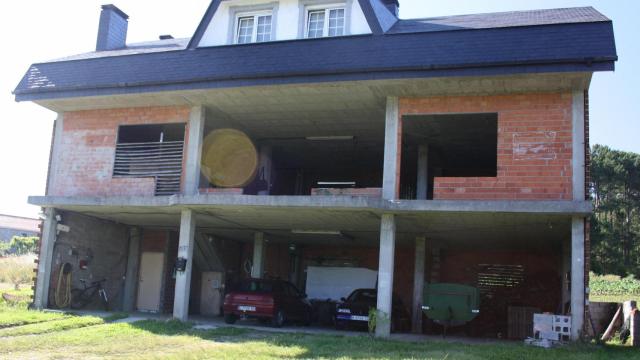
column 364, row 347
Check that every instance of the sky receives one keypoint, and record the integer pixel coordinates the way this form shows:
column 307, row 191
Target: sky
column 38, row 30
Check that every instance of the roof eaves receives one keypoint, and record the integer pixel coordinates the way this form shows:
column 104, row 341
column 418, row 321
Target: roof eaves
column 578, row 64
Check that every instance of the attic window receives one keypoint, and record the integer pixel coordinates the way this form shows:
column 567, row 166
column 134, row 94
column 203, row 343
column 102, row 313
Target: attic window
column 252, row 28
column 325, row 22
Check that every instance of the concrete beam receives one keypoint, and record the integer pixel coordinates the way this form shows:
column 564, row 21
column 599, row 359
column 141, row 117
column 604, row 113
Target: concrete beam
column 176, row 203
column 385, row 275
column 133, row 265
column 418, row 285
column 194, row 150
column 257, row 270
column 578, row 146
column 422, row 182
column 45, row 259
column 392, row 150
column 577, row 277
column 183, row 278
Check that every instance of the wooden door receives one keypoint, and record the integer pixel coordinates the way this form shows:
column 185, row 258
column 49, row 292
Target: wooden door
column 150, row 281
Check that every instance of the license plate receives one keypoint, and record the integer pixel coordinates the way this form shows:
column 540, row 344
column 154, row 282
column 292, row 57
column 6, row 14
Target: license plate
column 359, row 318
column 246, row 308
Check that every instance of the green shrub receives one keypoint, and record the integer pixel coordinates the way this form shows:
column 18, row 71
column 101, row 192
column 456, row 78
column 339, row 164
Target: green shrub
column 5, row 249
column 21, row 245
column 614, row 285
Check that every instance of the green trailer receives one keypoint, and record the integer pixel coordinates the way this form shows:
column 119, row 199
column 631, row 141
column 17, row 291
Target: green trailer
column 451, row 304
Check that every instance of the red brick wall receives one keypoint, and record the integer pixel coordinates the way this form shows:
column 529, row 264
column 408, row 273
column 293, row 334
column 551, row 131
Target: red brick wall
column 534, row 146
column 88, row 150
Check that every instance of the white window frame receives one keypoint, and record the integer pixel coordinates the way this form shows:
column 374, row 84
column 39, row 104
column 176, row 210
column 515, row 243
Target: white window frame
column 327, row 10
column 254, row 35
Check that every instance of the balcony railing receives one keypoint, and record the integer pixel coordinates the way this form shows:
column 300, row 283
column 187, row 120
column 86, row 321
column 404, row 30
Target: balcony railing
column 161, row 160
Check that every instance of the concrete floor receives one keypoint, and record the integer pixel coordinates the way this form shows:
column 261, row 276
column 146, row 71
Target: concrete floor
column 207, row 323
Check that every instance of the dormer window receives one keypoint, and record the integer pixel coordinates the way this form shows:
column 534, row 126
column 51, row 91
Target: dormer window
column 327, row 21
column 254, row 27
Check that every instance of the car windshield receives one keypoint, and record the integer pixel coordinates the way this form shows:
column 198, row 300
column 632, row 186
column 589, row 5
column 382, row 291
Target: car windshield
column 255, row 286
column 366, row 296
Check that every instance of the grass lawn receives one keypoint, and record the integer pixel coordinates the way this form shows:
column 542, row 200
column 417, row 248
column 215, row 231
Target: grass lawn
column 64, row 336
column 26, row 334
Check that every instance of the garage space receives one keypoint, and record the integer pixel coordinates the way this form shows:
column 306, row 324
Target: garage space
column 519, row 262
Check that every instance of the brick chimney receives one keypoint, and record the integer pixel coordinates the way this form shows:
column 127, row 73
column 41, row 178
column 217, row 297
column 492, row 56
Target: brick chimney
column 393, row 6
column 112, row 32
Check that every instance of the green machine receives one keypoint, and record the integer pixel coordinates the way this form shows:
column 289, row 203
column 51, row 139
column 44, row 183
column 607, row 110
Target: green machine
column 451, row 304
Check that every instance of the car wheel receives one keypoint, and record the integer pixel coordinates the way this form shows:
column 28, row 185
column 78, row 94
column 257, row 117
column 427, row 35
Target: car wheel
column 278, row 319
column 341, row 325
column 230, row 318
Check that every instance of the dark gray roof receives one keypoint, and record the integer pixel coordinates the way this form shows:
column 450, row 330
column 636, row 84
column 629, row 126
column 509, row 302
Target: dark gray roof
column 583, row 43
column 133, row 49
column 500, row 20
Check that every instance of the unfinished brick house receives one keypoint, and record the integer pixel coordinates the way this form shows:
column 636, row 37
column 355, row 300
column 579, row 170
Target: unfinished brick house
column 439, row 150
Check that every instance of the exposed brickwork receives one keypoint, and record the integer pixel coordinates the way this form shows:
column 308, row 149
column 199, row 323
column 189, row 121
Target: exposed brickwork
column 587, row 148
column 587, row 222
column 88, row 151
column 534, row 146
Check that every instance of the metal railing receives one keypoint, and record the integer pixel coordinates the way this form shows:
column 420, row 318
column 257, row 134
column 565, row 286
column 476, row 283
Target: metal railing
column 161, row 160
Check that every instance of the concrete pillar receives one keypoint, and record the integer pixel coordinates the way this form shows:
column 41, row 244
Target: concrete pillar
column 131, row 275
column 266, row 168
column 422, row 182
column 257, row 270
column 45, row 259
column 577, row 276
column 392, row 151
column 418, row 285
column 183, row 278
column 56, row 148
column 385, row 274
column 578, row 145
column 565, row 269
column 194, row 150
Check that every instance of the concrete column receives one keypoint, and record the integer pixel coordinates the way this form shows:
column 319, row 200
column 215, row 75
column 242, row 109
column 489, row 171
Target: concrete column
column 183, row 278
column 385, row 274
column 565, row 269
column 56, row 149
column 257, row 270
column 265, row 167
column 422, row 182
column 131, row 275
column 194, row 150
column 45, row 259
column 577, row 276
column 418, row 285
column 578, row 145
column 392, row 151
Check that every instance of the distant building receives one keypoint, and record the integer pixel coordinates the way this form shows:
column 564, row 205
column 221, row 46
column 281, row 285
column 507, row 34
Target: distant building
column 11, row 226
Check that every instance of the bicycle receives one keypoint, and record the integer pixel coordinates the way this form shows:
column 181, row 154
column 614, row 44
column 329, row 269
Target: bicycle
column 83, row 297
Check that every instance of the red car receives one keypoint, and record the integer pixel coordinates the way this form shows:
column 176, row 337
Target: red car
column 276, row 301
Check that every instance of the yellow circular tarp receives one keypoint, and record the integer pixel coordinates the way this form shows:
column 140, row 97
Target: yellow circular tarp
column 229, row 158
